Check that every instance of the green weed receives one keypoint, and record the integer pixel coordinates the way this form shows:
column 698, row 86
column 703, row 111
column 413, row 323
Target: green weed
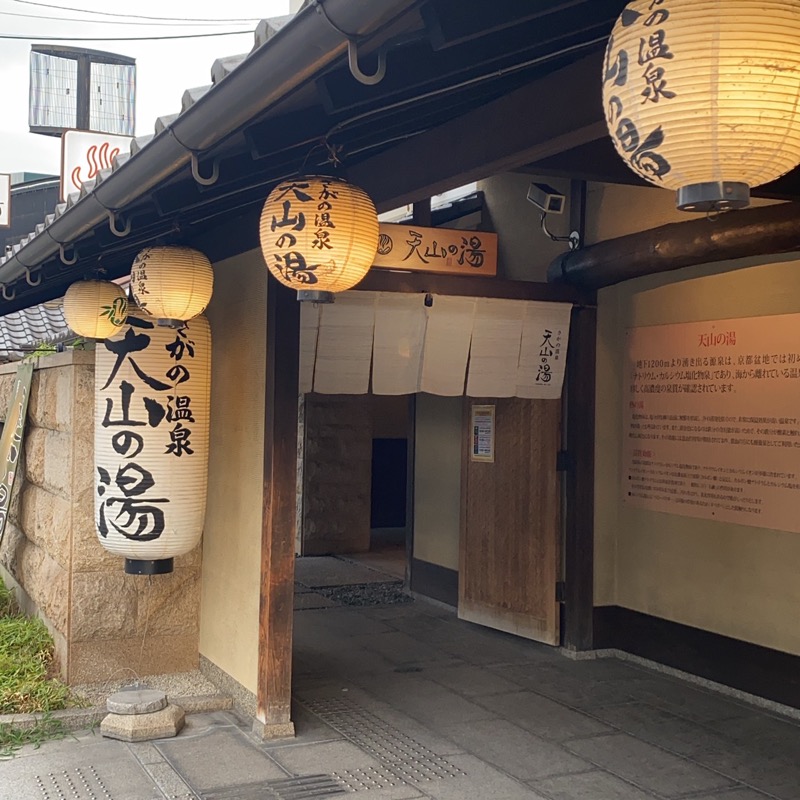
column 8, row 605
column 26, row 659
column 46, row 728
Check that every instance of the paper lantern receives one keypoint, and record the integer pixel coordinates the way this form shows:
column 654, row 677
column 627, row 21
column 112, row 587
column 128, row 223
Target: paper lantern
column 95, row 309
column 152, row 399
column 172, row 284
column 702, row 96
column 319, row 235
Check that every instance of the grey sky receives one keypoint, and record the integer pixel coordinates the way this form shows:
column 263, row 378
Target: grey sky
column 164, row 69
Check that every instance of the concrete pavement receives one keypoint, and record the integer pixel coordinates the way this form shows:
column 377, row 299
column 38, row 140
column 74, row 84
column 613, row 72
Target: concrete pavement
column 405, row 701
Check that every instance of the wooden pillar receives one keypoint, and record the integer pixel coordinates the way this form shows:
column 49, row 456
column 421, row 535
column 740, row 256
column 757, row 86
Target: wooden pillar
column 422, row 214
column 279, row 513
column 579, row 544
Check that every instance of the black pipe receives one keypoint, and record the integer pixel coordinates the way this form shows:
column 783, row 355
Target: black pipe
column 737, row 234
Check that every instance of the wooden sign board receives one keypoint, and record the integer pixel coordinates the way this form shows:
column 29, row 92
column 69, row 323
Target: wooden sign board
column 441, row 250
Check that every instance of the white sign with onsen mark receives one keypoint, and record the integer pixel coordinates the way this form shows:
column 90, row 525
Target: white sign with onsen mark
column 84, row 154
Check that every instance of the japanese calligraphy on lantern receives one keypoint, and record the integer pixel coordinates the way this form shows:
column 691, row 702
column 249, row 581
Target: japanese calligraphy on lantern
column 712, row 420
column 443, row 250
column 151, row 438
column 637, row 74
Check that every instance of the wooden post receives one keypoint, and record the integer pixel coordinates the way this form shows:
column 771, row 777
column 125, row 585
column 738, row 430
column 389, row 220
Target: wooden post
column 279, row 515
column 579, row 544
column 422, row 214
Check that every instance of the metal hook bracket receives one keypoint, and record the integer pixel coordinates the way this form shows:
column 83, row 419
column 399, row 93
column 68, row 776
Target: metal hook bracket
column 211, row 179
column 30, row 280
column 67, row 261
column 6, row 296
column 355, row 70
column 112, row 224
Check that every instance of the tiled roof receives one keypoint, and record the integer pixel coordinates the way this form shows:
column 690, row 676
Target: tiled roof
column 22, row 331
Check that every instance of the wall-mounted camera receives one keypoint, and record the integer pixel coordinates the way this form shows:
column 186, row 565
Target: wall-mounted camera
column 546, row 198
column 550, row 201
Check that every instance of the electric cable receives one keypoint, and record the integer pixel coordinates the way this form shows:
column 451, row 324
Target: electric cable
column 133, row 16
column 29, row 38
column 116, row 21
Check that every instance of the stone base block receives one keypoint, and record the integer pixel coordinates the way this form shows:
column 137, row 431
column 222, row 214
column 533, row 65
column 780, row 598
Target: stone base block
column 162, row 724
column 137, row 700
column 274, row 730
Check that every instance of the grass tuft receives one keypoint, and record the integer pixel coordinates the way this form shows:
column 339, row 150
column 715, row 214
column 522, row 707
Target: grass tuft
column 45, row 729
column 26, row 660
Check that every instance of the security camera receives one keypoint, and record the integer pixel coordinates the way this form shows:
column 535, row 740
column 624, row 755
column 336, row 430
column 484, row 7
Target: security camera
column 546, row 198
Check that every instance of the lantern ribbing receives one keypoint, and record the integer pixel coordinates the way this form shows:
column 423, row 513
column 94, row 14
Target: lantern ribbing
column 95, row 309
column 319, row 234
column 703, row 96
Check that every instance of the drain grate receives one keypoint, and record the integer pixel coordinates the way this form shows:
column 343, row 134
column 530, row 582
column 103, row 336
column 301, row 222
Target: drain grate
column 403, row 759
column 308, row 787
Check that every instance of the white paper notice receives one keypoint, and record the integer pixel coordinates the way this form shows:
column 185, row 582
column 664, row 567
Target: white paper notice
column 446, row 350
column 494, row 353
column 543, row 354
column 712, row 420
column 344, row 348
column 400, row 321
column 482, row 433
column 309, row 331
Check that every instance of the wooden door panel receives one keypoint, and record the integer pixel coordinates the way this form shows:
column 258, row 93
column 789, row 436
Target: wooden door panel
column 509, row 557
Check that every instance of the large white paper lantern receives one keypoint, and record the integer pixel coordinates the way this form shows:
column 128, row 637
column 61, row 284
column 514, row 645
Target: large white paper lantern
column 152, row 402
column 319, row 235
column 171, row 283
column 703, row 96
column 95, row 309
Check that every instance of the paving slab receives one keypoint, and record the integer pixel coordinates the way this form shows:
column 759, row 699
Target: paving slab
column 542, row 716
column 659, row 727
column 471, row 680
column 594, row 785
column 218, row 759
column 324, row 571
column 647, row 766
column 514, row 750
column 92, row 767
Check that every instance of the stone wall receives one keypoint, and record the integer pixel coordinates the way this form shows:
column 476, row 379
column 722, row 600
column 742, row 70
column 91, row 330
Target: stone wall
column 337, row 474
column 104, row 623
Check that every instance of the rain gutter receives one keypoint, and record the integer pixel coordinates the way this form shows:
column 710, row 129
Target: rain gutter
column 296, row 53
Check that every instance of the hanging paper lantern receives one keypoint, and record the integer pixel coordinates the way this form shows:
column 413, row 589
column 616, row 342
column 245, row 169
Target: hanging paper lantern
column 172, row 283
column 319, row 235
column 703, row 96
column 152, row 401
column 95, row 309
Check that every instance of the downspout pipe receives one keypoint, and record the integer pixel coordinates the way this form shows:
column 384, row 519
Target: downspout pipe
column 294, row 55
column 768, row 230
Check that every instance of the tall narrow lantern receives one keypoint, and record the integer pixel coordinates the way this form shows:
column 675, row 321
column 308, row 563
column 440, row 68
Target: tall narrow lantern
column 95, row 309
column 152, row 401
column 319, row 235
column 172, row 284
column 703, row 96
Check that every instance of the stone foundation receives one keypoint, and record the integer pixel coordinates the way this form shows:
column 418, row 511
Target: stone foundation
column 104, row 623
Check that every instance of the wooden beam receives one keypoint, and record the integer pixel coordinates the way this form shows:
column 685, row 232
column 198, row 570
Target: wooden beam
column 738, row 234
column 555, row 113
column 579, row 543
column 279, row 504
column 378, row 280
